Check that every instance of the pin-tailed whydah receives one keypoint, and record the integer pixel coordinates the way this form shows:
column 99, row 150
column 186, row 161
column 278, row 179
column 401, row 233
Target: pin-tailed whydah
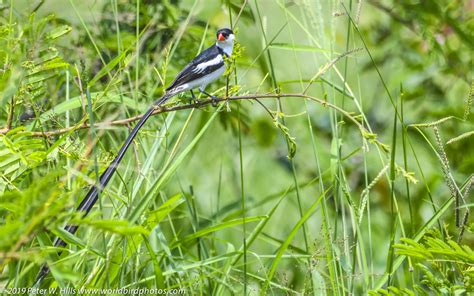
column 205, row 68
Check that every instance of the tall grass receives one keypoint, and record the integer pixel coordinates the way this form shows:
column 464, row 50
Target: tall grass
column 345, row 169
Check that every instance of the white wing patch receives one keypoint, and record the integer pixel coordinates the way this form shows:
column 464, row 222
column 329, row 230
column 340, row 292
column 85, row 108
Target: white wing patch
column 202, row 66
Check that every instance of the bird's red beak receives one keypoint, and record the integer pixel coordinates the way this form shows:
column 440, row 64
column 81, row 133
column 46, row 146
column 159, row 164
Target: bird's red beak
column 221, row 37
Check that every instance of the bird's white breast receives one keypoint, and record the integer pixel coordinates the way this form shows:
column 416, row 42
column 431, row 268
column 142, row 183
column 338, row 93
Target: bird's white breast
column 201, row 82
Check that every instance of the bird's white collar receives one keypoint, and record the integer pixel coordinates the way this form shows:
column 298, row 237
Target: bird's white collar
column 227, row 46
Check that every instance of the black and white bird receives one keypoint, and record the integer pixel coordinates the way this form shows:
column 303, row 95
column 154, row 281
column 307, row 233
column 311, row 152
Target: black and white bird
column 205, row 68
column 208, row 66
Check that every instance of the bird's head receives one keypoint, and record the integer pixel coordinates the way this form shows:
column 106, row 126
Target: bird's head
column 225, row 37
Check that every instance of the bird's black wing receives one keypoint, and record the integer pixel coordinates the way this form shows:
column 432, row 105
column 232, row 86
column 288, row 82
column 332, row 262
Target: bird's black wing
column 192, row 72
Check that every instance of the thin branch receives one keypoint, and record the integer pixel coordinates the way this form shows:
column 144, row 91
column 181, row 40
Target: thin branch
column 163, row 109
column 329, row 66
column 240, row 13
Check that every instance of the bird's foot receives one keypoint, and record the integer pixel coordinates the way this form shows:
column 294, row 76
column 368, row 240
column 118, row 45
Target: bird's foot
column 214, row 101
column 194, row 100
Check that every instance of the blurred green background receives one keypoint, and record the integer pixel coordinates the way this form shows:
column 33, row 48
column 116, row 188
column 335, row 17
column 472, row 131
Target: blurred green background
column 340, row 217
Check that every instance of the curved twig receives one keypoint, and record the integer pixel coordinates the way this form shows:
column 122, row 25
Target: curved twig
column 199, row 104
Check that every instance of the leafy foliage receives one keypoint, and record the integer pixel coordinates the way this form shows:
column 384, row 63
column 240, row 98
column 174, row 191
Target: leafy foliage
column 360, row 183
column 445, row 266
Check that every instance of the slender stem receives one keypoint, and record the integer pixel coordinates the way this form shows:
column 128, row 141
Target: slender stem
column 10, row 114
column 242, row 201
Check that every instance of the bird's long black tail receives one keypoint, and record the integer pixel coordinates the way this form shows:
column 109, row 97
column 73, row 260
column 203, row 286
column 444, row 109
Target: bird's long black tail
column 91, row 198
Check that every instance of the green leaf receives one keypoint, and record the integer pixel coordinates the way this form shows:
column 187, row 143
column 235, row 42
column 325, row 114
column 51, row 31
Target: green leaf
column 58, row 32
column 71, row 239
column 158, row 215
column 298, row 47
column 218, row 227
column 109, row 67
column 122, row 227
column 52, row 64
column 76, row 102
column 286, row 132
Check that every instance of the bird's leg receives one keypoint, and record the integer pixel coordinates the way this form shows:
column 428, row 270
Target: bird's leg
column 213, row 98
column 193, row 97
